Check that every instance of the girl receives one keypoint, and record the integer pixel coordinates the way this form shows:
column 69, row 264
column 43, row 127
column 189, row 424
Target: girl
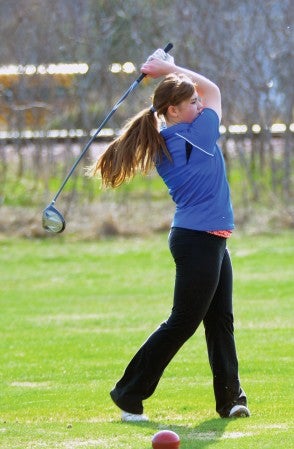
column 190, row 163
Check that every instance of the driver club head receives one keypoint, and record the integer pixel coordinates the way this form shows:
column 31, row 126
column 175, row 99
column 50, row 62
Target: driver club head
column 52, row 220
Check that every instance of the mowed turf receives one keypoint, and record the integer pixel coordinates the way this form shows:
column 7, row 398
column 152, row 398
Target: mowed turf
column 73, row 313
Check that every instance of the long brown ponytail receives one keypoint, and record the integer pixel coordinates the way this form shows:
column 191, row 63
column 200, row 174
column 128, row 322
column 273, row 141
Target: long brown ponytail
column 141, row 145
column 136, row 149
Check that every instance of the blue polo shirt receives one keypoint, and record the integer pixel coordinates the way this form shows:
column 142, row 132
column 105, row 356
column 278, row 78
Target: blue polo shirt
column 196, row 179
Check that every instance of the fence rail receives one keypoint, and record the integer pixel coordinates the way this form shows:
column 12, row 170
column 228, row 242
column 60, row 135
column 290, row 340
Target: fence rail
column 276, row 130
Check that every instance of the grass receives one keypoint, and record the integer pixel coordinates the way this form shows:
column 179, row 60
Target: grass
column 73, row 313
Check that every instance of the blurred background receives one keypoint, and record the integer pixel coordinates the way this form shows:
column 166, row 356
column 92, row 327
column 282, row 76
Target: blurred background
column 65, row 63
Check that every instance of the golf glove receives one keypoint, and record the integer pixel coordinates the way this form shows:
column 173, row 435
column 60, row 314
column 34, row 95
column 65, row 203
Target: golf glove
column 160, row 54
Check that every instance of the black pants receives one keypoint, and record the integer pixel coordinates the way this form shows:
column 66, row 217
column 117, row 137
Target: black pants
column 203, row 292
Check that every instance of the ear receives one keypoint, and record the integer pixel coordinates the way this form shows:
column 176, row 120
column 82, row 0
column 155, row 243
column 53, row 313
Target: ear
column 172, row 111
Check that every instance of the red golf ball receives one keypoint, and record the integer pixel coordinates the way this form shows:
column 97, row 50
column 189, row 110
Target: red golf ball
column 166, row 439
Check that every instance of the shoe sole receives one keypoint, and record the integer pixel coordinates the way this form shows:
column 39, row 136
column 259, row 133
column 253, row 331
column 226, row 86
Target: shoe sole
column 129, row 417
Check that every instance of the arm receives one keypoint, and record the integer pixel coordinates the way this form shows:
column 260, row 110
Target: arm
column 208, row 91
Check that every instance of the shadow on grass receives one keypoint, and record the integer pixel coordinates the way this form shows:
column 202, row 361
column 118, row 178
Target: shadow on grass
column 201, row 436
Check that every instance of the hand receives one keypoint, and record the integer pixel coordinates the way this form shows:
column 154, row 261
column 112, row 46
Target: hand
column 158, row 66
column 161, row 54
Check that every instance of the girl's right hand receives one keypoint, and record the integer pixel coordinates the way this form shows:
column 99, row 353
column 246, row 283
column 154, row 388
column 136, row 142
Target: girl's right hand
column 158, row 64
column 157, row 67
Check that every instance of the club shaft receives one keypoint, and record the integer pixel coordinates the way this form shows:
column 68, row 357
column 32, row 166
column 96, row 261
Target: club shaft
column 110, row 114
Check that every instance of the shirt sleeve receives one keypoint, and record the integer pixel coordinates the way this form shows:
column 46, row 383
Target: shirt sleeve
column 204, row 131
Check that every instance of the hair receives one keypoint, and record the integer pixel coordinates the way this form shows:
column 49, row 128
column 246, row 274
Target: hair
column 140, row 144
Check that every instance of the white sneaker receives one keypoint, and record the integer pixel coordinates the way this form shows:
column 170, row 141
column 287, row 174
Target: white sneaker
column 131, row 417
column 239, row 411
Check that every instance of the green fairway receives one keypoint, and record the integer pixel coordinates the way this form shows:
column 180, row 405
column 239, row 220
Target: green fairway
column 73, row 313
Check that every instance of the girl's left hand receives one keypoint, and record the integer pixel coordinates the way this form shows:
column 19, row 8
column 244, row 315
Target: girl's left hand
column 161, row 54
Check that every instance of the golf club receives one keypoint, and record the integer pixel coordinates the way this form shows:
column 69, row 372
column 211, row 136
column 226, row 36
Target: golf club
column 52, row 219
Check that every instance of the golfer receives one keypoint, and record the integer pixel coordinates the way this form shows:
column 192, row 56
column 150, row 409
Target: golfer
column 186, row 156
